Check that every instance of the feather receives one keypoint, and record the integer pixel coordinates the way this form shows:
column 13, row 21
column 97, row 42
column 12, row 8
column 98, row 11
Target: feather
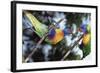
column 58, row 36
column 40, row 28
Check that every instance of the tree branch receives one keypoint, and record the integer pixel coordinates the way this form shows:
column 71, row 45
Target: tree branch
column 40, row 41
column 70, row 49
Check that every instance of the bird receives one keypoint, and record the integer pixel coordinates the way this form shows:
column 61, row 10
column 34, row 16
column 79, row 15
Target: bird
column 86, row 28
column 55, row 35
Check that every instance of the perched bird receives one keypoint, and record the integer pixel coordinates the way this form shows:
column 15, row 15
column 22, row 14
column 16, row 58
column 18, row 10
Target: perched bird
column 86, row 30
column 54, row 36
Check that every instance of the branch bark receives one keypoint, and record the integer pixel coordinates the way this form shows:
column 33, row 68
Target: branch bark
column 70, row 49
column 40, row 41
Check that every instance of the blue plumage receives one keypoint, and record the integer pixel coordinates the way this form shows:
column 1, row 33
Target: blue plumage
column 52, row 33
column 83, row 28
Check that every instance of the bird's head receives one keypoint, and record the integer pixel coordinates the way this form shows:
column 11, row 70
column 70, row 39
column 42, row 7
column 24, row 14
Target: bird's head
column 85, row 28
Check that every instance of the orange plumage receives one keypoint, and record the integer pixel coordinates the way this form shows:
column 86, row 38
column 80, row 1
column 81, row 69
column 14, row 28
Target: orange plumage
column 58, row 36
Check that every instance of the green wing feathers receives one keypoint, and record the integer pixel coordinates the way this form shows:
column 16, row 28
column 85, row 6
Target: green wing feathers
column 40, row 29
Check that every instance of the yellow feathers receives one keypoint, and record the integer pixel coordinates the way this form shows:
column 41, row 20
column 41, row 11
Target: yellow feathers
column 86, row 39
column 58, row 36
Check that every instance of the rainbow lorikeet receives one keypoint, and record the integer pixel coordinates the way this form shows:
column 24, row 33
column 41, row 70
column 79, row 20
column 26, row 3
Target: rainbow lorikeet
column 54, row 35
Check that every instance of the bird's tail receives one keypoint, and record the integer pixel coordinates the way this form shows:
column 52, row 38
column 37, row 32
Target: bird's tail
column 36, row 24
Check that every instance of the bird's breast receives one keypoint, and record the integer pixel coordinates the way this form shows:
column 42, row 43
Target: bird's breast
column 58, row 36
